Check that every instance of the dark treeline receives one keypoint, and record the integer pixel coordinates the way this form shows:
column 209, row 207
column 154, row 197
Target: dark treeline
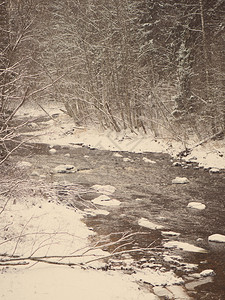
column 155, row 66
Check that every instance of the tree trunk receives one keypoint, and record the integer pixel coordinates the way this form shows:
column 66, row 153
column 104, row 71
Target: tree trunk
column 4, row 44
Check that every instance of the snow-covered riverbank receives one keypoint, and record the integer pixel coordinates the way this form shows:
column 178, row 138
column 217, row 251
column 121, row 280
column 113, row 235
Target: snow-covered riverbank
column 62, row 131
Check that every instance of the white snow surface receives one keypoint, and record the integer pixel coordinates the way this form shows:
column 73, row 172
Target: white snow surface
column 48, row 283
column 39, row 228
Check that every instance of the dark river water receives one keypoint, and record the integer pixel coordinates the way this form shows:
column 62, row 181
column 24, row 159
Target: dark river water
column 146, row 191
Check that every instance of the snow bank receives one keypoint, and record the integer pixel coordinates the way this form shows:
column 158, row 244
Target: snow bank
column 45, row 283
column 39, row 228
column 211, row 155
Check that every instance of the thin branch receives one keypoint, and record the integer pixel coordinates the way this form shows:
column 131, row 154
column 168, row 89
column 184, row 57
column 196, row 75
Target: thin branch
column 13, row 150
column 17, row 108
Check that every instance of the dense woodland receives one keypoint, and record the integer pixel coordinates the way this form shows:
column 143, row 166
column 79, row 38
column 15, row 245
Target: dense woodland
column 144, row 65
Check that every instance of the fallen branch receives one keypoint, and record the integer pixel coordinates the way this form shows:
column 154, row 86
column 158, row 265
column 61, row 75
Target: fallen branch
column 57, row 259
column 46, row 259
column 189, row 150
column 14, row 264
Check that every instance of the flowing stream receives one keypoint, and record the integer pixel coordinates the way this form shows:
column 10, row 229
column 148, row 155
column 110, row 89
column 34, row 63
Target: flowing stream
column 145, row 190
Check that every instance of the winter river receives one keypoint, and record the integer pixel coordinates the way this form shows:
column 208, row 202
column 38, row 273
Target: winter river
column 149, row 205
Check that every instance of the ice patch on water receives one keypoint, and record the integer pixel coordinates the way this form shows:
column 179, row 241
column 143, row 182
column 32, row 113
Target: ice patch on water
column 184, row 246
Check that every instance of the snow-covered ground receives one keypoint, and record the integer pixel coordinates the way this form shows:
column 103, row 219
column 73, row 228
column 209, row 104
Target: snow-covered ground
column 45, row 254
column 34, row 230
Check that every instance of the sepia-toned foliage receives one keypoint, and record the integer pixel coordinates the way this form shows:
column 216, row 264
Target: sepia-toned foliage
column 146, row 65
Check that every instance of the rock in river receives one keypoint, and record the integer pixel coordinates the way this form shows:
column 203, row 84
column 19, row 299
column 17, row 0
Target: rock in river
column 105, row 201
column 196, row 205
column 208, row 272
column 218, row 238
column 65, row 169
column 180, row 180
column 146, row 223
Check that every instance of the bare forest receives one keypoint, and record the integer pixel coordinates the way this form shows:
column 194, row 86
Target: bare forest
column 143, row 65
